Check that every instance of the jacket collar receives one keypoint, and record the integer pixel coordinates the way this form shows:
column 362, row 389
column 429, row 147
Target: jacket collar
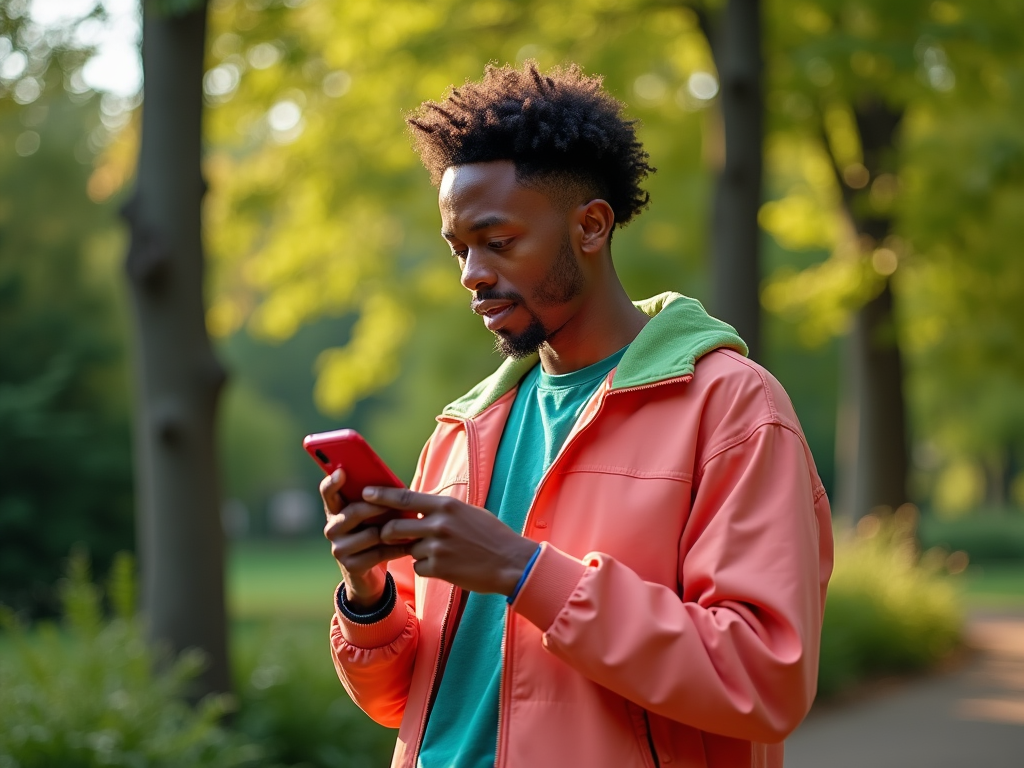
column 679, row 334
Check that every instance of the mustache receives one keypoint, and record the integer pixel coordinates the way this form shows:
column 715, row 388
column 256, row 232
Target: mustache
column 510, row 296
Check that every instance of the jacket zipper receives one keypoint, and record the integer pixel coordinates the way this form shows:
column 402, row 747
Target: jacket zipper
column 505, row 666
column 470, row 458
column 505, row 638
column 437, row 669
column 501, row 685
column 650, row 740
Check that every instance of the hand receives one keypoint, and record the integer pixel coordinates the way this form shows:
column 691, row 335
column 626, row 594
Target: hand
column 462, row 544
column 360, row 553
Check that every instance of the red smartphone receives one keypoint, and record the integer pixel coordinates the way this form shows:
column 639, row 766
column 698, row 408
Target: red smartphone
column 347, row 449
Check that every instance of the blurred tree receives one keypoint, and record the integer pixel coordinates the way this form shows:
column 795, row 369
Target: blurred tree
column 844, row 76
column 296, row 91
column 964, row 312
column 734, row 32
column 181, row 541
column 65, row 466
column 320, row 208
column 313, row 95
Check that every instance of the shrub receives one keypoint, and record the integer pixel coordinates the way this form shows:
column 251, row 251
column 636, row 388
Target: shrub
column 65, row 433
column 888, row 610
column 292, row 703
column 90, row 692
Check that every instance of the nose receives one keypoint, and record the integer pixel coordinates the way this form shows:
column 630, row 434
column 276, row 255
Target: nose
column 477, row 273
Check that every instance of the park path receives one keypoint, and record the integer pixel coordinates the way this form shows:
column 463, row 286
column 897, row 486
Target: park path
column 970, row 717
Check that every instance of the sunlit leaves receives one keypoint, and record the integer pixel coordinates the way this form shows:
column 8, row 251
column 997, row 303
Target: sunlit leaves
column 318, row 202
column 824, row 297
column 963, row 210
column 369, row 361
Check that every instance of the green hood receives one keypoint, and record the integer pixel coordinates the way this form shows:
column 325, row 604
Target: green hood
column 679, row 334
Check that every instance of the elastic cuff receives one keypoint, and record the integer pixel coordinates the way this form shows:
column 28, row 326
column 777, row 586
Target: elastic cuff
column 376, row 635
column 372, row 614
column 548, row 587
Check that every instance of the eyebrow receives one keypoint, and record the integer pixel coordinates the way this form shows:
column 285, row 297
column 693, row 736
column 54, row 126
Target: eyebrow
column 484, row 223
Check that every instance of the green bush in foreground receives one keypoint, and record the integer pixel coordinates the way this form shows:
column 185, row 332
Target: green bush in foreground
column 888, row 611
column 292, row 704
column 90, row 693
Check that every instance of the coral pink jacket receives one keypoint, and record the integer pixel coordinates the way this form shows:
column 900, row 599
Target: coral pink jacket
column 673, row 616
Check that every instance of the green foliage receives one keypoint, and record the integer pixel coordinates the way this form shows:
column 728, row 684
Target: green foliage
column 260, row 445
column 292, row 703
column 65, row 464
column 993, row 536
column 964, row 213
column 90, row 693
column 950, row 184
column 53, row 57
column 887, row 612
column 315, row 94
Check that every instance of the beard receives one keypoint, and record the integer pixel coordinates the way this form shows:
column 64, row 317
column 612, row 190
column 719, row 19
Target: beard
column 562, row 283
column 522, row 344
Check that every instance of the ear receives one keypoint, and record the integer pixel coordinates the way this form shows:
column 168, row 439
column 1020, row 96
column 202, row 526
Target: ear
column 596, row 220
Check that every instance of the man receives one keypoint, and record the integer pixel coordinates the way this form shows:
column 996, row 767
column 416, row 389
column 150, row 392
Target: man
column 622, row 545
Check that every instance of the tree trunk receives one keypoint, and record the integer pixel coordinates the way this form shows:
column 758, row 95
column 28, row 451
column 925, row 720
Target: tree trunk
column 876, row 474
column 735, row 35
column 178, row 378
column 880, row 468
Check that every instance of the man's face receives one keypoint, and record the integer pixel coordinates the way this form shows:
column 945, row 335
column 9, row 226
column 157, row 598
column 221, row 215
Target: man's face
column 514, row 248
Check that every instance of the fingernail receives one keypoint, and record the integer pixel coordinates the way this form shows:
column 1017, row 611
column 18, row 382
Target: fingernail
column 335, row 475
column 369, row 493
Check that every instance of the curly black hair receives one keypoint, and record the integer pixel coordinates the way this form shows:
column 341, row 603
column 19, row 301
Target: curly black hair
column 560, row 127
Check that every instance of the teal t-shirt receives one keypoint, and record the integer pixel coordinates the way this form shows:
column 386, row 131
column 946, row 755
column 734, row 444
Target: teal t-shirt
column 463, row 727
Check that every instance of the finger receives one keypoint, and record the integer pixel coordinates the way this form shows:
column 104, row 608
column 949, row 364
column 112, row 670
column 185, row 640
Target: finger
column 360, row 562
column 330, row 491
column 404, row 529
column 423, row 567
column 353, row 543
column 424, row 550
column 403, row 498
column 351, row 517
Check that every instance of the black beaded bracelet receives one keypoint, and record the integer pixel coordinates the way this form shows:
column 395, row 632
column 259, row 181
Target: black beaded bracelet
column 372, row 614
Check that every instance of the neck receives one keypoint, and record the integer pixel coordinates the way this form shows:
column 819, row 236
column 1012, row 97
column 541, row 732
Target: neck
column 605, row 322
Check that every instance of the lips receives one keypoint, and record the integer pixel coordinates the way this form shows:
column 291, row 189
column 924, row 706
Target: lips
column 494, row 312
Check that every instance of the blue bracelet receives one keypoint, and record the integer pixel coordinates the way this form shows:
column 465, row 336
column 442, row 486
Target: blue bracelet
column 522, row 579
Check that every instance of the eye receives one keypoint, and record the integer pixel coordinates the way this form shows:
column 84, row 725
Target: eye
column 497, row 245
column 459, row 254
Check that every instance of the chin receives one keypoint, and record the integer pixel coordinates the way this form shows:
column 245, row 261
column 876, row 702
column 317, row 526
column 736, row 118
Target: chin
column 522, row 344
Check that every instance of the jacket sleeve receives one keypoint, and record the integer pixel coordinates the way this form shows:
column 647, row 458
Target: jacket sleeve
column 737, row 654
column 374, row 661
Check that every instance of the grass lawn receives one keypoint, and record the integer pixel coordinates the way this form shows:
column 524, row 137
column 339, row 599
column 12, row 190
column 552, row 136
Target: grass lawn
column 994, row 585
column 285, row 580
column 295, row 580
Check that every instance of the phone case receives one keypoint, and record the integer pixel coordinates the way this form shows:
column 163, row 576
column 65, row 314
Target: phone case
column 347, row 449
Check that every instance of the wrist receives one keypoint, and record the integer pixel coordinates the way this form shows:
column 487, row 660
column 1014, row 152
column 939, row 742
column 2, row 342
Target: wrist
column 523, row 556
column 367, row 590
column 511, row 598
